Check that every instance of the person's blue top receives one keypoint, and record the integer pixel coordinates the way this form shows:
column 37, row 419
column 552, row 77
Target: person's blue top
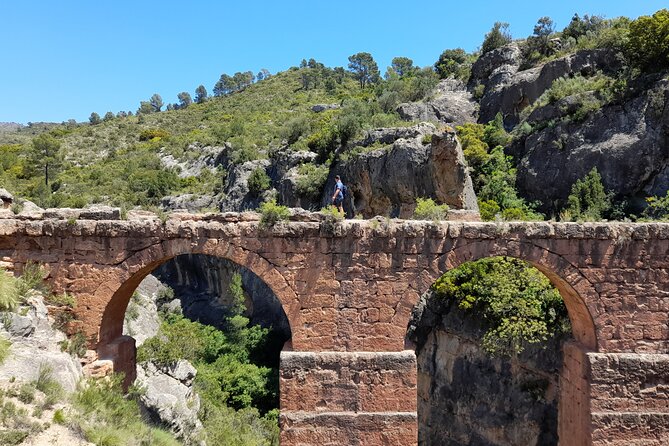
column 340, row 187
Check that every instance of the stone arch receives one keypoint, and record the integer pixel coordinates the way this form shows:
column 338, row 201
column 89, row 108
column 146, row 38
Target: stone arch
column 583, row 306
column 136, row 267
column 579, row 295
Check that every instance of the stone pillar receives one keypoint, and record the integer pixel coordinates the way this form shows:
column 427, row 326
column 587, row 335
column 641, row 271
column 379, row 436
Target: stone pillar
column 613, row 399
column 348, row 398
column 574, row 421
column 123, row 353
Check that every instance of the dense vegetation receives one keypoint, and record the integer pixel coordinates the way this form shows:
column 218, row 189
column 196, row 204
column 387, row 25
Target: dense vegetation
column 517, row 303
column 237, row 372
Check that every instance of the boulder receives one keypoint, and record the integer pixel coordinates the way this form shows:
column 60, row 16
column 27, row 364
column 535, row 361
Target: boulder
column 169, row 398
column 35, row 346
column 237, row 195
column 451, row 104
column 496, row 67
column 100, row 212
column 317, row 108
column 387, row 180
column 189, row 202
column 206, row 157
column 6, row 199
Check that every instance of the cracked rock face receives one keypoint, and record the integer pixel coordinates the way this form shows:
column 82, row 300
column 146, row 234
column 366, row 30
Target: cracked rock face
column 466, row 397
column 35, row 345
column 169, row 398
column 413, row 162
column 450, row 104
column 629, row 138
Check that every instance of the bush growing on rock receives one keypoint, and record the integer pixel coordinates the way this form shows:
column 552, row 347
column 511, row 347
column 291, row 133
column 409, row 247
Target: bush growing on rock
column 588, row 200
column 258, row 181
column 498, row 36
column 427, row 209
column 517, row 303
column 648, row 46
column 312, row 179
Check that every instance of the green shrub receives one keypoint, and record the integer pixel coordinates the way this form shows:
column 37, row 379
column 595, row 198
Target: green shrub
column 272, row 213
column 588, row 200
column 517, row 303
column 648, row 46
column 311, row 180
column 295, row 129
column 61, row 300
column 13, row 436
column 258, row 181
column 150, row 134
column 107, row 417
column 27, row 393
column 9, row 291
column 658, row 208
column 32, row 278
column 5, row 345
column 427, row 209
column 59, row 417
column 46, row 384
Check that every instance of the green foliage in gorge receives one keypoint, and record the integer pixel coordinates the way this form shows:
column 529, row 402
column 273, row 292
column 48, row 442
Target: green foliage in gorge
column 238, row 390
column 258, row 181
column 517, row 303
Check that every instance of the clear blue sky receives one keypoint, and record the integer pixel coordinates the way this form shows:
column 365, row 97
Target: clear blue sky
column 66, row 59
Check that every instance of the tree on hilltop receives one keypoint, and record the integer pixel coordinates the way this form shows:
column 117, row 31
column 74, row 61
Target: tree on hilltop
column 94, row 119
column 201, row 94
column 364, row 68
column 156, row 102
column 498, row 36
column 45, row 154
column 184, row 99
column 401, row 66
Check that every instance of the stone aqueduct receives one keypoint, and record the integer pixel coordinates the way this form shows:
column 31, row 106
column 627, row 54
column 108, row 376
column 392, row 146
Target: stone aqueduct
column 348, row 377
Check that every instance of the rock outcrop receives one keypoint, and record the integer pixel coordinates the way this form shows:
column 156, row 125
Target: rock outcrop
column 410, row 162
column 169, row 399
column 451, row 104
column 629, row 138
column 238, row 197
column 508, row 91
column 36, row 345
column 141, row 317
column 466, row 397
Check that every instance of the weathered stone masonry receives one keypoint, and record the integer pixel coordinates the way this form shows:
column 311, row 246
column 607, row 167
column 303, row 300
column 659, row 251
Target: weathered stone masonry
column 348, row 377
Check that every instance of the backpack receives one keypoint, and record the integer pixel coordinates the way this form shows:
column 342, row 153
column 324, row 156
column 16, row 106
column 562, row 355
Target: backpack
column 344, row 190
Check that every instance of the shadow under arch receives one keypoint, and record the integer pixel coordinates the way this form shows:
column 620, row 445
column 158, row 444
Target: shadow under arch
column 582, row 302
column 111, row 342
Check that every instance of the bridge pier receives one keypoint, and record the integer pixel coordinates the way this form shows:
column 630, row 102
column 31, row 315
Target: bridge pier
column 348, row 398
column 613, row 399
column 123, row 354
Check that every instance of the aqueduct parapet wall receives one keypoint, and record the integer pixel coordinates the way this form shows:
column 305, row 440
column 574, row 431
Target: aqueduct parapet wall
column 348, row 376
